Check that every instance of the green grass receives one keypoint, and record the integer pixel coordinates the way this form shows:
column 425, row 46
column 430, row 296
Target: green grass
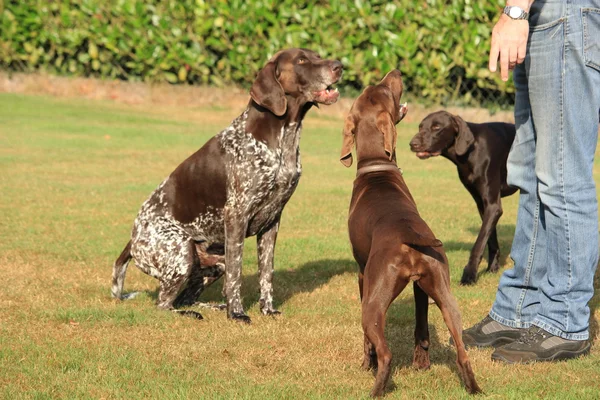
column 73, row 174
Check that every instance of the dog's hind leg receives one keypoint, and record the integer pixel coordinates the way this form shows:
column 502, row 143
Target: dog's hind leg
column 176, row 276
column 118, row 277
column 195, row 286
column 421, row 354
column 370, row 357
column 381, row 285
column 437, row 285
column 212, row 267
column 200, row 279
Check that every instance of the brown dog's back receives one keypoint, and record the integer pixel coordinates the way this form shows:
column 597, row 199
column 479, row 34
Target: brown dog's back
column 382, row 207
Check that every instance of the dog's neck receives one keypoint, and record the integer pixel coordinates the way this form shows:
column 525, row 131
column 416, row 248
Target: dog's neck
column 377, row 168
column 266, row 126
column 451, row 155
column 365, row 165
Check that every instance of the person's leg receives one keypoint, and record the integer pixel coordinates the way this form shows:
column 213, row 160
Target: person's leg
column 566, row 145
column 517, row 301
column 564, row 166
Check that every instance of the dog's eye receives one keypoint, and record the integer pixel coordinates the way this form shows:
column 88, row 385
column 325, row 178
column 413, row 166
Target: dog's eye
column 302, row 60
column 436, row 127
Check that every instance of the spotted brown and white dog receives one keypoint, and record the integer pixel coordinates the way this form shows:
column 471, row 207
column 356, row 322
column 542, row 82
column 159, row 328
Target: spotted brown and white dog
column 191, row 229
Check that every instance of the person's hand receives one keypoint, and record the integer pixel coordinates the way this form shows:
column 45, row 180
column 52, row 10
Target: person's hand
column 509, row 42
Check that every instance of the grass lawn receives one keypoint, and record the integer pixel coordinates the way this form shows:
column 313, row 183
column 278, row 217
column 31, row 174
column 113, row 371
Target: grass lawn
column 73, row 174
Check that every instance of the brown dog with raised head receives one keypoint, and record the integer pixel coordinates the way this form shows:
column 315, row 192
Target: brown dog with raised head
column 479, row 152
column 390, row 242
column 234, row 187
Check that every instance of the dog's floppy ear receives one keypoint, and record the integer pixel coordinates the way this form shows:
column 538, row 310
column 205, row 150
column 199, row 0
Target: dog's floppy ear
column 387, row 127
column 267, row 92
column 464, row 137
column 348, row 141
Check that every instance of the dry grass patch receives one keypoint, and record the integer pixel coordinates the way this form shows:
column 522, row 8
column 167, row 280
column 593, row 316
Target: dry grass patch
column 69, row 197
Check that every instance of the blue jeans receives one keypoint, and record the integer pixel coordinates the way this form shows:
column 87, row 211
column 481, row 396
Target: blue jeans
column 555, row 247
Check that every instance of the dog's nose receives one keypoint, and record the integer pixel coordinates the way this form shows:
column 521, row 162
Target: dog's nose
column 337, row 67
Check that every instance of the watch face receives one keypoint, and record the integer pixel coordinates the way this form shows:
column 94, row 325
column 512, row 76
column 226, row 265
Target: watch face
column 515, row 12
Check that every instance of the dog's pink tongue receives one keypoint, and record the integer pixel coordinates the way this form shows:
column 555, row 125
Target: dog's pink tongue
column 426, row 154
column 327, row 96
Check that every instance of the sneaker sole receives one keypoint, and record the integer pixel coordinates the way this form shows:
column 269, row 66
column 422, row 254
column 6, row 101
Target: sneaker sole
column 561, row 355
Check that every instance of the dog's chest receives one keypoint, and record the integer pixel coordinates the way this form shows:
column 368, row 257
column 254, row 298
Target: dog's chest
column 466, row 174
column 261, row 179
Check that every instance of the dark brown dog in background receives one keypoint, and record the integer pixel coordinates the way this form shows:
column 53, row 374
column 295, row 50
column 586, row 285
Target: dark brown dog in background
column 479, row 152
column 390, row 241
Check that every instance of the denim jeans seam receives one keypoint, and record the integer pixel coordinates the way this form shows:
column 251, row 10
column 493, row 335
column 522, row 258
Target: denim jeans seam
column 513, row 324
column 585, row 31
column 548, row 25
column 561, row 170
column 557, row 332
column 530, row 259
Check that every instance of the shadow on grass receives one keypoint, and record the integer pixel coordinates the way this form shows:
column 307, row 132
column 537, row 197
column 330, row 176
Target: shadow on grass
column 286, row 282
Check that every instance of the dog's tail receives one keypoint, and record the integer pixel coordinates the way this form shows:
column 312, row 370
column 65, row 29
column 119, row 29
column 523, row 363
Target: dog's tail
column 119, row 270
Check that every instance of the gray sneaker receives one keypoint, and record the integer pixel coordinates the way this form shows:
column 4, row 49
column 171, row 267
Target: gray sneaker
column 538, row 345
column 489, row 333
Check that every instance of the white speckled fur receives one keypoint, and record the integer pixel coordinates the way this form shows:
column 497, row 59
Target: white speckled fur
column 260, row 181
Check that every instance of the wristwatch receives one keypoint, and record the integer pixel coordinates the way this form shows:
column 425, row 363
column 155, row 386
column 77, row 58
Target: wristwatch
column 516, row 12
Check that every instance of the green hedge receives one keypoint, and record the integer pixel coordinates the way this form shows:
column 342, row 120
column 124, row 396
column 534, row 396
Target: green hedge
column 441, row 47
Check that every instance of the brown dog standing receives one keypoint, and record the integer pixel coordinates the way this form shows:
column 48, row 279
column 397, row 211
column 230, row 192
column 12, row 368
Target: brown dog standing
column 390, row 241
column 479, row 152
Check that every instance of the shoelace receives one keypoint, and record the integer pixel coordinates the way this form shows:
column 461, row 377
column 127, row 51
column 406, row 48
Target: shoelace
column 533, row 335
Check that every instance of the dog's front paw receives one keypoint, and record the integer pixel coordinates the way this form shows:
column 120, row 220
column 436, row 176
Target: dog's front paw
column 270, row 311
column 240, row 317
column 189, row 313
column 468, row 278
column 266, row 307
